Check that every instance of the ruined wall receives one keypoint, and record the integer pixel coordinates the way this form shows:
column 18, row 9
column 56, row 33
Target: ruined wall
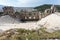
column 8, row 10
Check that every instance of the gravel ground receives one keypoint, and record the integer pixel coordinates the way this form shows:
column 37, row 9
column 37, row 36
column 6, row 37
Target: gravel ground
column 51, row 22
column 7, row 22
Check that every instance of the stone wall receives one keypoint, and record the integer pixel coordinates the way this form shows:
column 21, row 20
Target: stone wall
column 8, row 10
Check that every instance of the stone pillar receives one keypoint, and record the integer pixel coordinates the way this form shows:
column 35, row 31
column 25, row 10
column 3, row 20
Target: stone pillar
column 53, row 9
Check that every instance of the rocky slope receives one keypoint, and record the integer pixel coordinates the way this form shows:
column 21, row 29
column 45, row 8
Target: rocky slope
column 51, row 22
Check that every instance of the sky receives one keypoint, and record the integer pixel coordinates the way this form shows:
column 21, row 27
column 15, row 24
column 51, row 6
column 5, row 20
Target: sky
column 28, row 3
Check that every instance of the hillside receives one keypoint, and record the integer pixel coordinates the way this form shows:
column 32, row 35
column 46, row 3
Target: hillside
column 46, row 6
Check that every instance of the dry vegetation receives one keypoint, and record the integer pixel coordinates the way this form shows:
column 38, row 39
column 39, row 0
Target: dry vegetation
column 22, row 34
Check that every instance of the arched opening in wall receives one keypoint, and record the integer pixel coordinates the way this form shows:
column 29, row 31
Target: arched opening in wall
column 34, row 17
column 30, row 17
column 25, row 17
